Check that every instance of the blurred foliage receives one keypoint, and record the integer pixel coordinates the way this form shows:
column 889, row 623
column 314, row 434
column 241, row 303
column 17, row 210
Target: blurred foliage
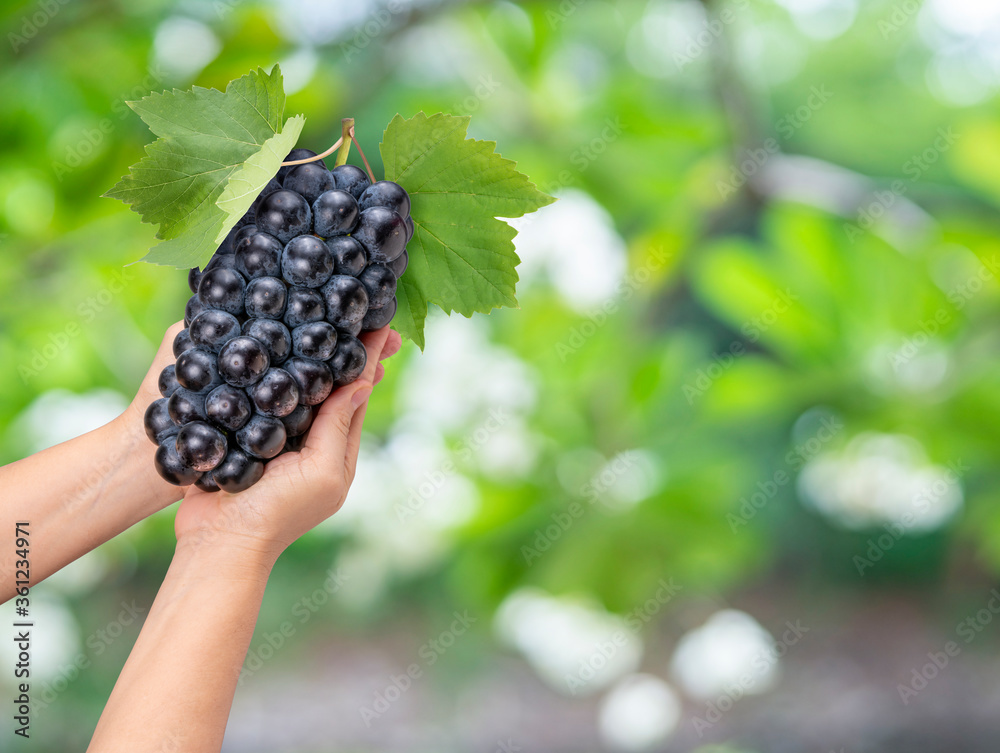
column 757, row 301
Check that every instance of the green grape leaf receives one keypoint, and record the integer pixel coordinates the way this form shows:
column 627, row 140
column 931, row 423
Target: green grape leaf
column 212, row 147
column 462, row 255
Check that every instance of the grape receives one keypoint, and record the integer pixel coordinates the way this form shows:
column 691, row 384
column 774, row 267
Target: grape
column 350, row 329
column 294, row 444
column 242, row 234
column 383, row 234
column 304, row 305
column 380, row 284
column 185, row 406
column 167, row 382
column 314, row 379
column 196, row 369
column 228, row 407
column 263, row 437
column 228, row 261
column 194, row 277
column 334, row 213
column 258, row 255
column 212, row 329
column 296, row 154
column 349, row 360
column 238, row 472
column 157, row 421
column 346, row 301
column 378, row 318
column 284, row 214
column 171, row 468
column 182, row 342
column 200, row 446
column 222, row 288
column 298, row 421
column 273, row 335
column 243, row 361
column 399, row 264
column 192, row 309
column 351, row 179
column 266, row 298
column 309, row 181
column 316, row 340
column 226, row 247
column 349, row 256
column 276, row 394
column 387, row 194
column 272, row 185
column 306, row 262
column 410, row 230
column 207, row 482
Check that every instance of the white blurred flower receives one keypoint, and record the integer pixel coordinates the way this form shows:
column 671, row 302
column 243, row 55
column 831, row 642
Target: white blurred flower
column 822, row 19
column 575, row 646
column 640, row 712
column 731, row 651
column 573, row 242
column 59, row 415
column 881, row 479
column 183, row 46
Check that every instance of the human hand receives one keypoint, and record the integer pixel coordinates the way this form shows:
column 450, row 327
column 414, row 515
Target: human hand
column 149, row 391
column 299, row 490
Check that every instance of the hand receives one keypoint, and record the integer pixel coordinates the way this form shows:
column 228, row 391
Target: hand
column 149, row 391
column 298, row 490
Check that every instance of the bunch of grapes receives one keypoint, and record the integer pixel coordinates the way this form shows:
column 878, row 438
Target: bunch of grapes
column 273, row 326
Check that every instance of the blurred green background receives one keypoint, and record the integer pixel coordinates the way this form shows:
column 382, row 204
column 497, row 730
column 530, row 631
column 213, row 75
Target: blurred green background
column 727, row 481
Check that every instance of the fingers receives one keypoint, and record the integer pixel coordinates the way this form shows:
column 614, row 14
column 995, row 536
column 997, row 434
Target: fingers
column 373, row 371
column 392, row 345
column 379, row 373
column 330, row 429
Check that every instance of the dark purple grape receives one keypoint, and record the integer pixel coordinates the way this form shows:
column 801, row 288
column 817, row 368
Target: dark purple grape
column 273, row 335
column 228, row 407
column 383, row 234
column 192, row 309
column 226, row 247
column 185, row 406
column 304, row 305
column 207, row 482
column 298, row 421
column 334, row 213
column 194, row 277
column 346, row 301
column 409, row 228
column 157, row 421
column 200, row 446
column 316, row 340
column 167, row 383
column 309, row 181
column 306, row 262
column 378, row 318
column 216, row 262
column 222, row 288
column 380, row 284
column 351, row 329
column 399, row 264
column 295, row 444
column 349, row 361
column 266, row 297
column 196, row 369
column 243, row 361
column 238, row 472
column 314, row 379
column 258, row 255
column 349, row 256
column 182, row 342
column 296, row 154
column 212, row 329
column 243, row 233
column 350, row 178
column 284, row 214
column 276, row 394
column 263, row 437
column 170, row 467
column 272, row 185
column 385, row 193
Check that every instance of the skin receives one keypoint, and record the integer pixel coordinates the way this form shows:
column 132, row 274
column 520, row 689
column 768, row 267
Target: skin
column 177, row 686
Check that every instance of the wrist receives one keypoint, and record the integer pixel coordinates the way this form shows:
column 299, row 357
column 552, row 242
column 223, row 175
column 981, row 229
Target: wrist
column 226, row 555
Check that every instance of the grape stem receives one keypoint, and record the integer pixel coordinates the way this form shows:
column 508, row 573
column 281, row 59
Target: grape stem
column 344, row 145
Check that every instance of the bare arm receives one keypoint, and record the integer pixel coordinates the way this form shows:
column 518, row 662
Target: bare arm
column 83, row 492
column 177, row 687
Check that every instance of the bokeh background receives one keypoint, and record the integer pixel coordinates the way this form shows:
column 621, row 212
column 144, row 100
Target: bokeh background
column 727, row 481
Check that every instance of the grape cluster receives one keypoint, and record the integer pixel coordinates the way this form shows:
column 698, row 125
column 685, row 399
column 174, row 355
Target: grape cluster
column 272, row 328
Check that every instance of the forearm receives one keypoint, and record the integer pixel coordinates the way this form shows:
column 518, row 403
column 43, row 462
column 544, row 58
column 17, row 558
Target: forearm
column 77, row 495
column 177, row 688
